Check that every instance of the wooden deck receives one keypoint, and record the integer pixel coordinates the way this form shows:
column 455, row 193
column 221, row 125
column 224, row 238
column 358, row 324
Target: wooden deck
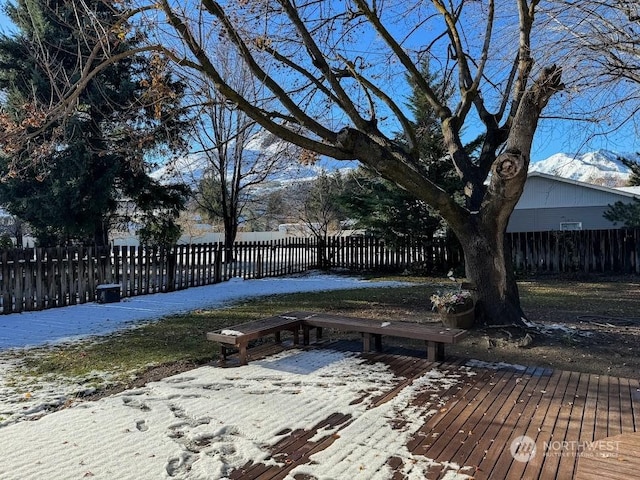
column 611, row 458
column 561, row 414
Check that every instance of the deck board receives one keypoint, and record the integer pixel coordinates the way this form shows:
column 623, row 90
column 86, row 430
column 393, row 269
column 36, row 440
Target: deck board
column 485, row 450
column 515, row 425
column 561, row 460
column 589, row 415
column 477, row 419
column 480, row 421
column 571, row 407
column 626, row 424
column 602, row 409
column 544, row 421
column 617, row 456
column 614, row 421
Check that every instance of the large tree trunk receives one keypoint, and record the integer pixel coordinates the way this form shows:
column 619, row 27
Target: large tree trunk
column 101, row 234
column 230, row 233
column 488, row 264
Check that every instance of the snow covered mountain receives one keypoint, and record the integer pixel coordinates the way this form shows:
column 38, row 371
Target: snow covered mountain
column 262, row 153
column 191, row 169
column 601, row 167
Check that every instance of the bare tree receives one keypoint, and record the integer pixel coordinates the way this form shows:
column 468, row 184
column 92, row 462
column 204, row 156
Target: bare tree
column 334, row 77
column 231, row 154
column 598, row 43
column 332, row 99
column 315, row 204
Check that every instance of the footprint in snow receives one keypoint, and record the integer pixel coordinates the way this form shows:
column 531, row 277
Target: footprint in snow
column 142, row 426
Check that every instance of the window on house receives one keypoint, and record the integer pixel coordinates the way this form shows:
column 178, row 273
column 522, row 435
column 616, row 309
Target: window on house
column 570, row 226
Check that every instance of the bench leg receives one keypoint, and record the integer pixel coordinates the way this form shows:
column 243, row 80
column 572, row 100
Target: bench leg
column 378, row 342
column 366, row 342
column 278, row 338
column 306, row 334
column 435, row 351
column 242, row 353
column 296, row 335
column 223, row 353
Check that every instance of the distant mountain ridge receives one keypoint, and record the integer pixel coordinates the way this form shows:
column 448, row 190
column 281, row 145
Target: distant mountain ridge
column 601, row 167
column 190, row 169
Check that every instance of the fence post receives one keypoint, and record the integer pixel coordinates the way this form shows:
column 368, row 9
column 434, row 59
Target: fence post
column 259, row 265
column 7, row 300
column 217, row 259
column 39, row 279
column 81, row 276
column 171, row 269
column 321, row 255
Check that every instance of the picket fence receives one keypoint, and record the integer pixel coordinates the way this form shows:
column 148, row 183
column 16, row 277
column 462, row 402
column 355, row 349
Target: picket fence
column 42, row 278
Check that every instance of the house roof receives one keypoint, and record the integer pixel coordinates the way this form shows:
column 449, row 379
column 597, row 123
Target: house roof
column 634, row 190
column 543, row 190
column 629, row 192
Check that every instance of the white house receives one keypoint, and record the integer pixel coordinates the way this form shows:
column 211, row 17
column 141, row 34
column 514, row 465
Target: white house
column 555, row 203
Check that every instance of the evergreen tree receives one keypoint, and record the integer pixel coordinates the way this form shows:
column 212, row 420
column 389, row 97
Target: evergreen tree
column 634, row 178
column 386, row 210
column 71, row 187
column 628, row 214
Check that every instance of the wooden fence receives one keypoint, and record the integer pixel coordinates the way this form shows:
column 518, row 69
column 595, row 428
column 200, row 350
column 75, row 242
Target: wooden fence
column 588, row 251
column 418, row 255
column 40, row 278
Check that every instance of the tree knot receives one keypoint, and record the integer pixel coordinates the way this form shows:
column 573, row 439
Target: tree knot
column 508, row 165
column 346, row 139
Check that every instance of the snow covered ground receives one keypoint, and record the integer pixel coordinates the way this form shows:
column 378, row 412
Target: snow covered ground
column 78, row 321
column 27, row 333
column 203, row 423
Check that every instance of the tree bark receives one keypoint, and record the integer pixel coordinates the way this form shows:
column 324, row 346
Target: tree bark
column 230, row 233
column 488, row 265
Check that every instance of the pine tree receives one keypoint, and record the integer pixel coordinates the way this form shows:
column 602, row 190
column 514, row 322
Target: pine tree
column 628, row 214
column 72, row 187
column 634, row 178
column 386, row 210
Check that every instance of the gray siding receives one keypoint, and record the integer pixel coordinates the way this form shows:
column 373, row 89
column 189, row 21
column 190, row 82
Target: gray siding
column 548, row 201
column 546, row 219
column 542, row 192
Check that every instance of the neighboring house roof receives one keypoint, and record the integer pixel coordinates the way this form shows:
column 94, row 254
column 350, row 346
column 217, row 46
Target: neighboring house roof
column 634, row 190
column 549, row 191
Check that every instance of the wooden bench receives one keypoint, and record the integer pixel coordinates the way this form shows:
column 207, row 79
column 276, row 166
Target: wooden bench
column 239, row 336
column 434, row 336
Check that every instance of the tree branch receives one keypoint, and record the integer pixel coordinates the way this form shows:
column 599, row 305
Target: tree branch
column 207, row 68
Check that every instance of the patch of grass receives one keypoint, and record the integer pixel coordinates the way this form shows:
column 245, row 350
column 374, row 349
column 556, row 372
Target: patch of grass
column 593, row 298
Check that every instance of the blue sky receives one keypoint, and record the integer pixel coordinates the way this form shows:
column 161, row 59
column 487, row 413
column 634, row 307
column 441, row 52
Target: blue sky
column 558, row 136
column 553, row 136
